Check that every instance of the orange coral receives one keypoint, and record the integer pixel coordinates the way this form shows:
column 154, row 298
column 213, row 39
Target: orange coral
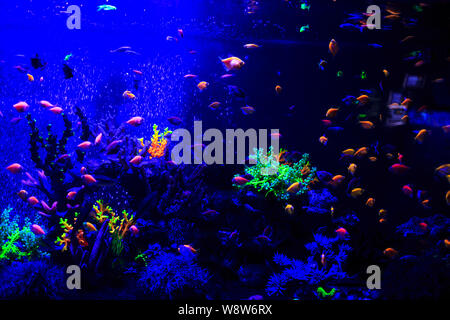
column 158, row 144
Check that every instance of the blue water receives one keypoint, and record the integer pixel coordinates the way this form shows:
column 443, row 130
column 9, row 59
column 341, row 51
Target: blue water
column 169, row 205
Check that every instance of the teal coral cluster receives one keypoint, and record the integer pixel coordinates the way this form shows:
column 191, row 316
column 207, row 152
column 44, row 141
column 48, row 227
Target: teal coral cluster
column 273, row 175
column 17, row 240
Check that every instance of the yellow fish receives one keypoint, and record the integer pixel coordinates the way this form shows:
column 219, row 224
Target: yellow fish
column 323, row 140
column 348, row 152
column 352, row 168
column 355, row 193
column 30, row 77
column 289, row 209
column 420, row 137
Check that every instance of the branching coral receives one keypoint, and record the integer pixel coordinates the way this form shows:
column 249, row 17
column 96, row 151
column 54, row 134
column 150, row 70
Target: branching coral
column 324, row 264
column 158, row 143
column 32, row 279
column 17, row 242
column 274, row 176
column 64, row 239
column 168, row 275
column 117, row 226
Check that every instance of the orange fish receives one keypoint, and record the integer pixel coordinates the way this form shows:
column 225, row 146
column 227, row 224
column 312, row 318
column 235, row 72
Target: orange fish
column 186, row 248
column 90, row 227
column 88, row 179
column 363, row 99
column 293, row 188
column 370, row 202
column 421, row 135
column 202, row 85
column 447, row 197
column 333, row 47
column 23, row 194
column 407, row 102
column 361, row 152
column 366, row 124
column 251, row 46
column 332, row 112
column 386, row 73
column 390, row 253
column 71, row 195
column 135, row 121
column 447, row 243
column 278, row 89
column 323, row 140
column 232, row 63
column 336, row 180
column 14, row 168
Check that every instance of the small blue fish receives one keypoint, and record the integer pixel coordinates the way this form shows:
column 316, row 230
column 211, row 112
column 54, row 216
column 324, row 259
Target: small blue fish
column 106, row 7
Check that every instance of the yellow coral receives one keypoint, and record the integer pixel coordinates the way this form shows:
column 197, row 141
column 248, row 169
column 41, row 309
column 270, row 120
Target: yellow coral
column 116, row 225
column 64, row 239
column 102, row 211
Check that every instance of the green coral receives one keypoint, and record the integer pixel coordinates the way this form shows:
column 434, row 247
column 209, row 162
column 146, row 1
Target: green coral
column 18, row 242
column 323, row 294
column 272, row 176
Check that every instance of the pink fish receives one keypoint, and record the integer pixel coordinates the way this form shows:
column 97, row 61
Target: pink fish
column 85, row 145
column 21, row 106
column 136, row 160
column 45, row 104
column 239, row 180
column 37, row 230
column 56, row 110
column 399, row 168
column 14, row 168
column 135, row 121
column 98, row 139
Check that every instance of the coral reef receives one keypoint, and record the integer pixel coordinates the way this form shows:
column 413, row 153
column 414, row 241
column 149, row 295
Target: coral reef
column 272, row 176
column 168, row 275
